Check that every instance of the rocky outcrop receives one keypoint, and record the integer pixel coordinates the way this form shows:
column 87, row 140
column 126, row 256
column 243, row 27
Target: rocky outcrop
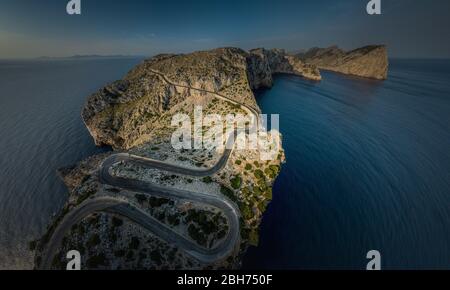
column 124, row 114
column 369, row 61
column 264, row 63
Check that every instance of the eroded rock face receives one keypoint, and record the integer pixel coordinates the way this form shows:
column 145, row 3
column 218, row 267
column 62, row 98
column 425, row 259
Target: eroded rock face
column 275, row 61
column 369, row 61
column 124, row 113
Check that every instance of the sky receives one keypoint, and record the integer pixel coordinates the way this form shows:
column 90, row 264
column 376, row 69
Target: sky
column 34, row 28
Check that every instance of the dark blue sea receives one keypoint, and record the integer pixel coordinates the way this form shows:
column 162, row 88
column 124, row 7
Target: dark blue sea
column 41, row 131
column 368, row 162
column 368, row 168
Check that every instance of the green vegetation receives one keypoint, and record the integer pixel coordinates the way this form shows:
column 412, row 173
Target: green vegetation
column 196, row 234
column 246, row 211
column 245, row 191
column 238, row 162
column 141, row 198
column 259, row 174
column 207, row 179
column 157, row 202
column 268, row 193
column 173, row 220
column 262, row 206
column 236, row 182
column 248, row 166
column 253, row 237
column 272, row 171
column 228, row 193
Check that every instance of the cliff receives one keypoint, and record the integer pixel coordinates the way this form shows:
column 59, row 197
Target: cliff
column 264, row 63
column 124, row 113
column 369, row 61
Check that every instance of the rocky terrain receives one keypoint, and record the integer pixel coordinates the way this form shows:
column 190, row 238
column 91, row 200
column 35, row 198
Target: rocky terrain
column 134, row 115
column 369, row 61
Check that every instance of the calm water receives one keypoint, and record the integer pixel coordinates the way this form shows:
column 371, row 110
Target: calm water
column 41, row 131
column 368, row 167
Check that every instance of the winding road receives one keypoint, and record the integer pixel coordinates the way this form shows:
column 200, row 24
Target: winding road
column 123, row 208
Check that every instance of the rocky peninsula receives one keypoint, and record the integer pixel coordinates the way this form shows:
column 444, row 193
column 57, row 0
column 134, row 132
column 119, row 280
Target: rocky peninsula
column 147, row 205
column 369, row 61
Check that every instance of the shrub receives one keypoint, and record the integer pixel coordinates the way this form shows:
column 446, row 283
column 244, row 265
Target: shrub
column 259, row 174
column 253, row 238
column 268, row 194
column 173, row 220
column 141, row 198
column 248, row 166
column 207, row 179
column 246, row 191
column 246, row 211
column 238, row 162
column 275, row 169
column 228, row 193
column 236, row 182
column 93, row 241
column 196, row 235
column 134, row 243
column 32, row 245
column 156, row 257
column 157, row 202
column 262, row 206
column 117, row 222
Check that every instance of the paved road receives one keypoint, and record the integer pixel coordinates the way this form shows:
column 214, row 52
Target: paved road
column 121, row 207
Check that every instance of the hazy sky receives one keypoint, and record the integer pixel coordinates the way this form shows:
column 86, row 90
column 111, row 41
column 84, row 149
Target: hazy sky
column 31, row 28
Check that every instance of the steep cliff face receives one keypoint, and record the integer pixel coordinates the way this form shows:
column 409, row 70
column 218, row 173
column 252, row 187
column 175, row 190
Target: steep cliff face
column 124, row 113
column 269, row 62
column 369, row 61
column 259, row 70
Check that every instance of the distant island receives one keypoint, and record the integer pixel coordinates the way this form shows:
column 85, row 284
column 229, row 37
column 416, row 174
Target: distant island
column 89, row 56
column 146, row 205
